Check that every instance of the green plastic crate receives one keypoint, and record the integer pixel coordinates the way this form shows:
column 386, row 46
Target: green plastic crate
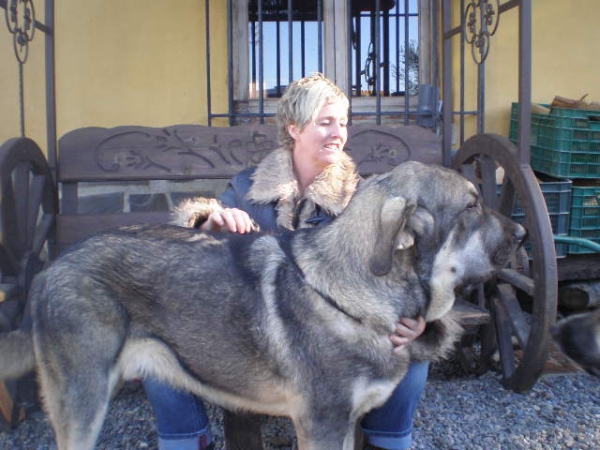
column 557, row 195
column 564, row 143
column 585, row 216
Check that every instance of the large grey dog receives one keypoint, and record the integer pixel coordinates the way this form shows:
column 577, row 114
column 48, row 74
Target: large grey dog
column 294, row 325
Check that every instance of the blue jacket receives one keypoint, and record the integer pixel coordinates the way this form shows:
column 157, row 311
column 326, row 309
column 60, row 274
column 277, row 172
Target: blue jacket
column 264, row 214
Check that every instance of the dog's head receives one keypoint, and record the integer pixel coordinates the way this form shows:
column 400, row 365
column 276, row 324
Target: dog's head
column 578, row 337
column 438, row 214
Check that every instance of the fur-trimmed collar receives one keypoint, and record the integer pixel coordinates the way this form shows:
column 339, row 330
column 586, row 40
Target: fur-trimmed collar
column 274, row 181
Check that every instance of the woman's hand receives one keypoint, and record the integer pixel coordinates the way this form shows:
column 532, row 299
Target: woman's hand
column 229, row 219
column 406, row 330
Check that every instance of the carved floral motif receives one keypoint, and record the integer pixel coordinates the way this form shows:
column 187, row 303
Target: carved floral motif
column 170, row 149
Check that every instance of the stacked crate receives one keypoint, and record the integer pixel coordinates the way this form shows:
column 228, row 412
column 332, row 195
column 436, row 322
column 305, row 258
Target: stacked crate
column 565, row 144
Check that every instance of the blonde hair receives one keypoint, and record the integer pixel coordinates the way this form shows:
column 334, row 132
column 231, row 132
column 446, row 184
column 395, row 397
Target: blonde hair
column 302, row 101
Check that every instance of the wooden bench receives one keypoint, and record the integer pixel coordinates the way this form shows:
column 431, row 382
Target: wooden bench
column 91, row 159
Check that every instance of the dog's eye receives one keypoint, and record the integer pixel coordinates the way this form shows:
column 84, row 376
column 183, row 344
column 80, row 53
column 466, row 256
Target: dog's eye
column 473, row 206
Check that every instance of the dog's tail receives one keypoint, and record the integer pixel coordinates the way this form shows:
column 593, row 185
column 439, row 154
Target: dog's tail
column 16, row 354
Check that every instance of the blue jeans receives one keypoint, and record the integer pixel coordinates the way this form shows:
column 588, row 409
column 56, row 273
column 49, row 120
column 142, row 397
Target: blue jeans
column 182, row 422
column 181, row 419
column 390, row 425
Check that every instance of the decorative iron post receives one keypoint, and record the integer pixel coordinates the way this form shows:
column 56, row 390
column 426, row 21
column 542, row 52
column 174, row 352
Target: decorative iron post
column 480, row 23
column 20, row 21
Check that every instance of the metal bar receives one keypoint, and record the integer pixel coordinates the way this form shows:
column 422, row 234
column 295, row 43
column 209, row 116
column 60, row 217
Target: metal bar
column 51, row 150
column 406, row 60
column 386, row 113
column 261, row 102
column 386, row 51
column 278, row 53
column 453, row 32
column 320, row 33
column 230, row 76
column 397, row 42
column 207, row 34
column 377, row 63
column 21, row 100
column 358, row 54
column 435, row 64
column 508, row 5
column 461, row 119
column 303, row 49
column 524, row 136
column 481, row 98
column 349, row 54
column 290, row 46
column 447, row 85
column 253, row 52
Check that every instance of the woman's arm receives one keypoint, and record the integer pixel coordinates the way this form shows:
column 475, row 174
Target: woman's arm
column 229, row 219
column 209, row 214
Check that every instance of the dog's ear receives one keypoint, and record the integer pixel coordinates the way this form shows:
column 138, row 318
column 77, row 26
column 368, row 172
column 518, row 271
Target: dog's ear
column 421, row 222
column 393, row 234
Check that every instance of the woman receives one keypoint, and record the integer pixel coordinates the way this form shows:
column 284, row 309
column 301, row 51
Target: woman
column 305, row 183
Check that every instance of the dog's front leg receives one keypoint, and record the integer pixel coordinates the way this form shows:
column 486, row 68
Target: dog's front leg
column 242, row 431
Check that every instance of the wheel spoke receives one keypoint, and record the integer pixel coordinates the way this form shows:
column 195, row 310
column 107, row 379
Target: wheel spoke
column 10, row 220
column 519, row 326
column 42, row 232
column 36, row 193
column 21, row 178
column 504, row 339
column 468, row 171
column 518, row 280
column 506, row 202
column 489, row 187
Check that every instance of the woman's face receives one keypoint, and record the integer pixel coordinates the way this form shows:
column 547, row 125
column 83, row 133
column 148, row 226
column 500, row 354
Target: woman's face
column 322, row 141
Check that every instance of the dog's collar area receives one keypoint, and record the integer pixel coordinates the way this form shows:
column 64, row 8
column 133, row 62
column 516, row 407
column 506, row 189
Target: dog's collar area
column 287, row 249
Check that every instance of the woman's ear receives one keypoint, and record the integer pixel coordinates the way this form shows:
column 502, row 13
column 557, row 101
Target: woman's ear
column 293, row 130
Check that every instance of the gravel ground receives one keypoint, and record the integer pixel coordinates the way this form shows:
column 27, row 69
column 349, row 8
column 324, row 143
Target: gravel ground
column 457, row 412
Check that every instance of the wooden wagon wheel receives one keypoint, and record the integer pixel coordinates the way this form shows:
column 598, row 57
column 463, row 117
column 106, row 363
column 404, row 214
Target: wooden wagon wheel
column 27, row 213
column 28, row 206
column 523, row 298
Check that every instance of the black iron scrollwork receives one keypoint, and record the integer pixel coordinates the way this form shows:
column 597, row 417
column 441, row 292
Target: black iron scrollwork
column 20, row 21
column 480, row 24
column 369, row 71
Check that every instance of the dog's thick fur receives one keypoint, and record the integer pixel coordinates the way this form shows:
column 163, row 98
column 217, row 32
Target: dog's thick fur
column 578, row 336
column 295, row 325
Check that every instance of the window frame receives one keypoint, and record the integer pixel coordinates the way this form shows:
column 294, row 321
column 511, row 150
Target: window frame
column 336, row 64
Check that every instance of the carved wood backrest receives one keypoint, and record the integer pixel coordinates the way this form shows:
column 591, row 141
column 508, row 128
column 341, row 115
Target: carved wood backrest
column 190, row 152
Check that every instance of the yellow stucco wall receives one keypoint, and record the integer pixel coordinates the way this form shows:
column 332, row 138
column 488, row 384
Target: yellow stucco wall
column 564, row 39
column 119, row 63
column 133, row 62
column 143, row 62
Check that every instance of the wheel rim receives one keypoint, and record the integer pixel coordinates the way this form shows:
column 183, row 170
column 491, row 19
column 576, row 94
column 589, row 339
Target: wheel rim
column 522, row 364
column 27, row 211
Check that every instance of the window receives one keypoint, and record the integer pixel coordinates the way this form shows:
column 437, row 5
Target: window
column 376, row 50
